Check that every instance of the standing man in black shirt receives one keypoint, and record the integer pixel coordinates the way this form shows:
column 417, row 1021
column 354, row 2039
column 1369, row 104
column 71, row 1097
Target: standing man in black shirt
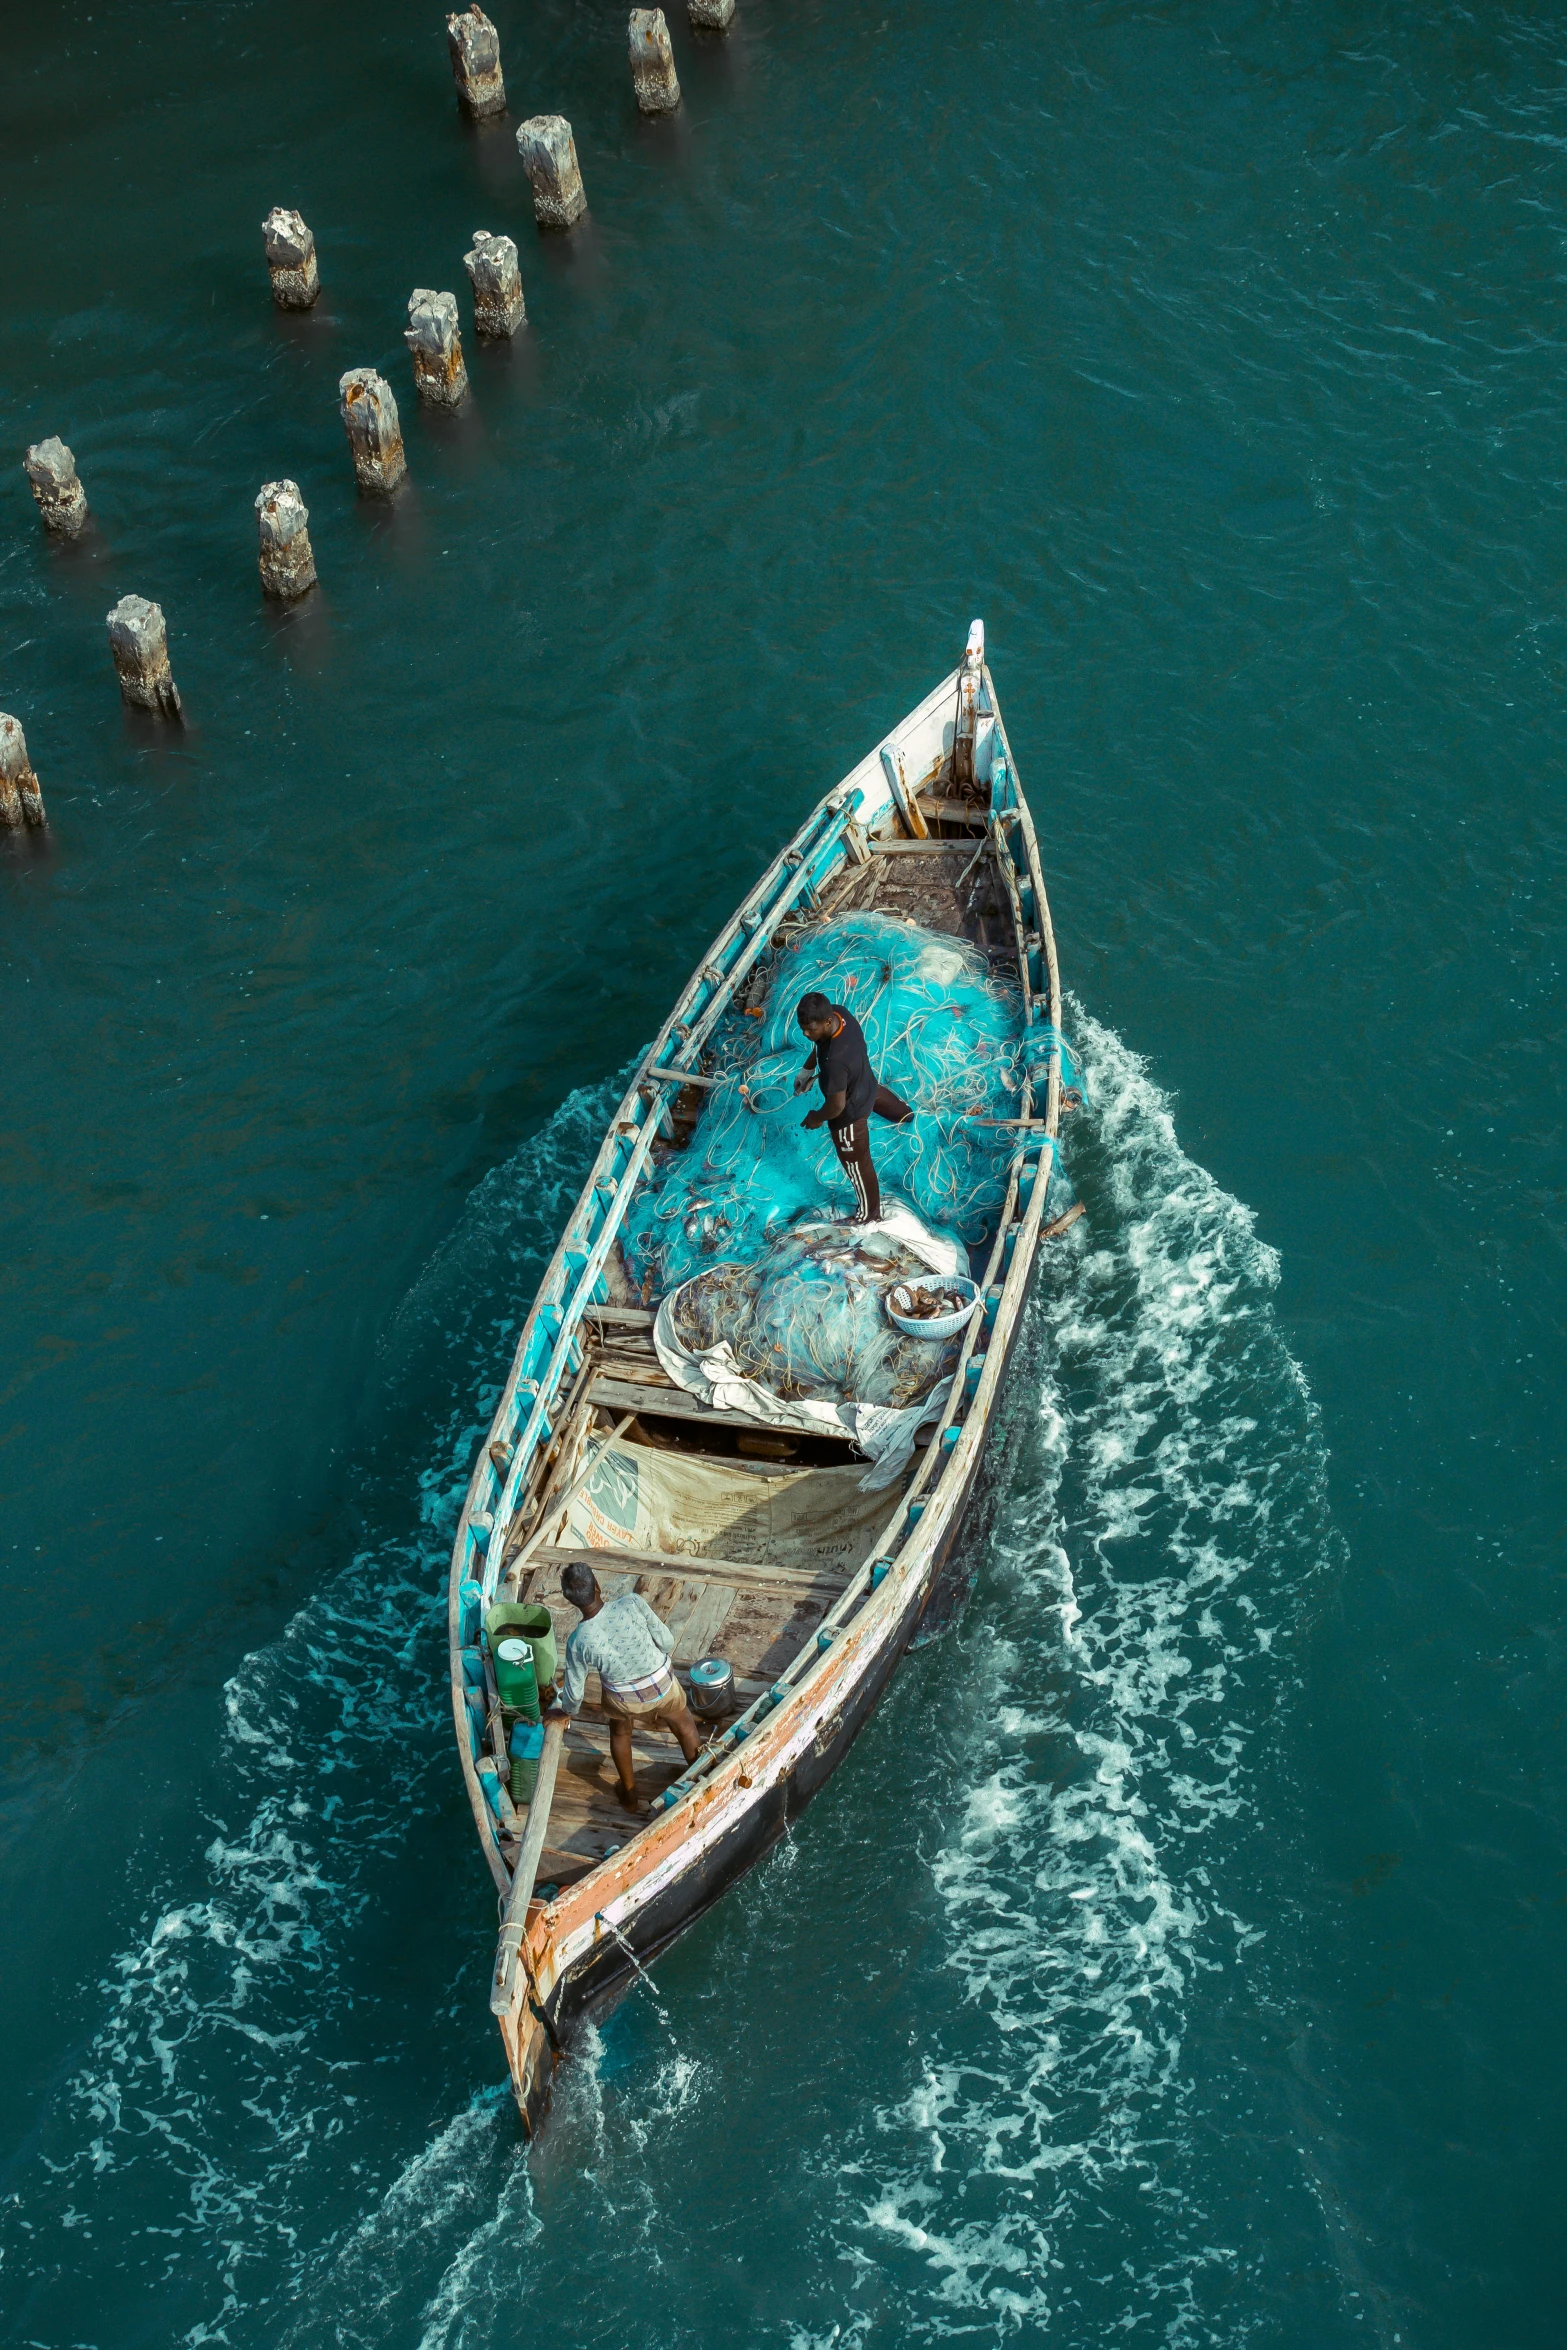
column 849, row 1095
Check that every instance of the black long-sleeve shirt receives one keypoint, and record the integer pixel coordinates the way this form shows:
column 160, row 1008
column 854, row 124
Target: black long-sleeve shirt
column 844, row 1066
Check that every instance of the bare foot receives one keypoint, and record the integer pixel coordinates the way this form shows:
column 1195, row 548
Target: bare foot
column 630, row 1801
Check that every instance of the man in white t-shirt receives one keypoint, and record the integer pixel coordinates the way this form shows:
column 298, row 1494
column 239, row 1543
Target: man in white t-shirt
column 629, row 1648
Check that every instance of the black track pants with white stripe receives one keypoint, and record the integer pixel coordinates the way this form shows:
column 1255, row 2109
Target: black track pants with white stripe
column 852, row 1142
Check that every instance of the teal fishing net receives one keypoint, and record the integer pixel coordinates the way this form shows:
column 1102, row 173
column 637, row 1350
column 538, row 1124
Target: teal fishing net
column 808, row 1319
column 944, row 1031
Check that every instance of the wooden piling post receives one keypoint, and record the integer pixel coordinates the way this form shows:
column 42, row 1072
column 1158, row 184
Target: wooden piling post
column 375, row 436
column 653, row 62
column 21, row 801
column 62, row 502
column 139, row 643
column 549, row 157
column 711, row 16
column 476, row 63
column 291, row 259
column 498, row 306
column 288, row 566
column 431, row 335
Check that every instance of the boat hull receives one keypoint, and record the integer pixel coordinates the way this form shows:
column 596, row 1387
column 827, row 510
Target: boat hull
column 565, row 1956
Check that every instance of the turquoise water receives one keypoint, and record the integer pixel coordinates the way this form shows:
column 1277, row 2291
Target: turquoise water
column 1177, row 1959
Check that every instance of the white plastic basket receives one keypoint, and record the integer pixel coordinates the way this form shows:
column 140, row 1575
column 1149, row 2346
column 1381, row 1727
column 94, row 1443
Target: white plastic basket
column 939, row 1325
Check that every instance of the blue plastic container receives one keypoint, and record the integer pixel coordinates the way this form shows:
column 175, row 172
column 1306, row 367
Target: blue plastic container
column 490, row 1781
column 527, row 1744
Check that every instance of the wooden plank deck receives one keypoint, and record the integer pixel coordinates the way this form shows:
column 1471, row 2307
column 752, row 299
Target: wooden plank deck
column 754, row 1615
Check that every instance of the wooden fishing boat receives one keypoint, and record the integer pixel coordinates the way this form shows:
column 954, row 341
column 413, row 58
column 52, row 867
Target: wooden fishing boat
column 931, row 824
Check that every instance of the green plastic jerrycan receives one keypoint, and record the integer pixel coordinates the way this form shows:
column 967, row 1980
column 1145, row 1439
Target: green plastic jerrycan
column 515, row 1679
column 515, row 1619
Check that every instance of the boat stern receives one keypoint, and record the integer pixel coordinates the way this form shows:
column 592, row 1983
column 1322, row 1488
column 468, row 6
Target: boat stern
column 531, row 2057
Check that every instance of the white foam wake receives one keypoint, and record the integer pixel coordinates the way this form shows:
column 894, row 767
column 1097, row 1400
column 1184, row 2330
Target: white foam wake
column 987, row 2023
column 217, row 2116
column 1027, row 2140
column 1167, row 1521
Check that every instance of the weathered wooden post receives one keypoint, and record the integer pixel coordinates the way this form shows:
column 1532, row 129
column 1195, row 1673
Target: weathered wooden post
column 549, row 157
column 21, row 801
column 375, row 437
column 62, row 502
column 476, row 62
column 711, row 16
column 653, row 62
column 291, row 258
column 288, row 567
column 431, row 335
column 498, row 307
column 141, row 656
